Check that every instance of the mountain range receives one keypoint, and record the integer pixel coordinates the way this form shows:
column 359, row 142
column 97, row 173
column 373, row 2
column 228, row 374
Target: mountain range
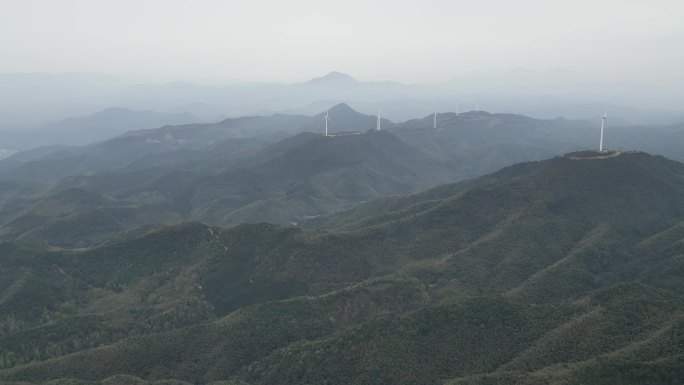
column 33, row 100
column 210, row 172
column 83, row 130
column 560, row 271
column 302, row 176
column 277, row 169
column 507, row 138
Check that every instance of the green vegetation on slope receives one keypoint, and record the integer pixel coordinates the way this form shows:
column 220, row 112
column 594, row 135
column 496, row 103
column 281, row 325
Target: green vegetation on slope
column 562, row 272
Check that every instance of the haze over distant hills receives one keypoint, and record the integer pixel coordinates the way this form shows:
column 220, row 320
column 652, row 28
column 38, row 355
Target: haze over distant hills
column 562, row 271
column 82, row 130
column 476, row 133
column 177, row 173
column 278, row 168
column 33, row 100
column 342, row 192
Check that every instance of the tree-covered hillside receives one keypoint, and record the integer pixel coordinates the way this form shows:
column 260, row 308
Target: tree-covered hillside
column 303, row 176
column 564, row 271
column 278, row 168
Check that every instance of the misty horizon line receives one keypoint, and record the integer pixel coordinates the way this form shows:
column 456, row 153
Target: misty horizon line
column 233, row 80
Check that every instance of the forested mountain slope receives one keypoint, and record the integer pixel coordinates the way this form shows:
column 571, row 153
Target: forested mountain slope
column 564, row 271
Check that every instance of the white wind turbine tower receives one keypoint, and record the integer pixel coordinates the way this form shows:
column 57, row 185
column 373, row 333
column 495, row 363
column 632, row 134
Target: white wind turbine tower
column 327, row 119
column 603, row 126
column 434, row 121
column 377, row 127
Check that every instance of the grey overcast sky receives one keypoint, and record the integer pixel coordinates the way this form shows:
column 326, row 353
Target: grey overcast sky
column 292, row 40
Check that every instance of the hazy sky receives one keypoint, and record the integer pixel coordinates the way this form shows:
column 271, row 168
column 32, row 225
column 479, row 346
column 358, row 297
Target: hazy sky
column 292, row 40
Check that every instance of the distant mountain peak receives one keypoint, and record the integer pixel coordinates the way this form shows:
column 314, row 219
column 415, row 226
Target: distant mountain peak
column 113, row 109
column 342, row 108
column 334, row 76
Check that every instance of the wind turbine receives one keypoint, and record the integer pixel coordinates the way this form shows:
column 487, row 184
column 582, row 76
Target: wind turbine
column 377, row 127
column 434, row 121
column 603, row 126
column 327, row 119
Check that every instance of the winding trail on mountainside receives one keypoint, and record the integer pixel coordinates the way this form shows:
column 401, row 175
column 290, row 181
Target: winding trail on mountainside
column 218, row 239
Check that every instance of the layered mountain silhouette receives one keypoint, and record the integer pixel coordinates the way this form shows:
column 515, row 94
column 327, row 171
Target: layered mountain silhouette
column 86, row 129
column 332, row 77
column 562, row 271
column 278, row 169
column 303, row 176
column 477, row 142
column 184, row 142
